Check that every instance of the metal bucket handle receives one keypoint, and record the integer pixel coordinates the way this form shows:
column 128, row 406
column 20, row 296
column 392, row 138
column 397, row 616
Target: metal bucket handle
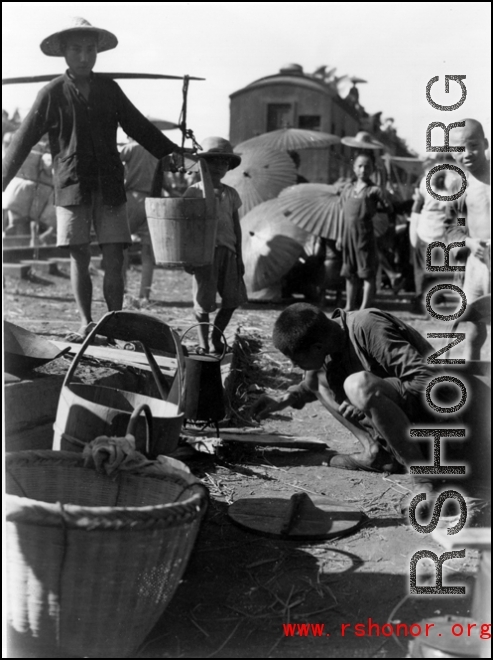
column 144, row 407
column 219, row 359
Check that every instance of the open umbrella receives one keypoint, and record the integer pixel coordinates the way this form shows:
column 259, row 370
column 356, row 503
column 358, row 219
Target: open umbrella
column 261, row 176
column 271, row 245
column 314, row 207
column 287, row 139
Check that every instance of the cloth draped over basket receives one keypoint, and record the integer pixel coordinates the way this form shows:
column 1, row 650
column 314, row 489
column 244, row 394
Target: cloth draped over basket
column 93, row 560
column 108, row 455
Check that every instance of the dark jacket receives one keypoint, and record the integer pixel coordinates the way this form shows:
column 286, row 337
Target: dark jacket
column 384, row 346
column 83, row 138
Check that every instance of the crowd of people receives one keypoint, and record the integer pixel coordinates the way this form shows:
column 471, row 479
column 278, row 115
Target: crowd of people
column 381, row 242
column 383, row 238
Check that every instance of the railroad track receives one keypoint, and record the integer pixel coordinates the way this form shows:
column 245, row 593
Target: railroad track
column 19, row 259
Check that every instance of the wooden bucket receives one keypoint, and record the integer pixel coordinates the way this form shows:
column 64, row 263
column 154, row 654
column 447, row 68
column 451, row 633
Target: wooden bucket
column 88, row 411
column 183, row 229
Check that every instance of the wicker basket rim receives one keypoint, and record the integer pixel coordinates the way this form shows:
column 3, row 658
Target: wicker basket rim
column 20, row 508
column 19, row 502
column 74, row 459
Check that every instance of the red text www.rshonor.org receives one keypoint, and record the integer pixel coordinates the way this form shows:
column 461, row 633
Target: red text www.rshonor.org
column 372, row 629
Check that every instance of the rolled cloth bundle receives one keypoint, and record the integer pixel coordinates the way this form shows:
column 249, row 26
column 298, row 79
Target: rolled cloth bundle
column 110, row 455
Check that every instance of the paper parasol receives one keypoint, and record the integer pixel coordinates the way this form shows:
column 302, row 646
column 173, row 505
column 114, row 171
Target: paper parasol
column 271, row 245
column 286, row 139
column 314, row 207
column 261, row 176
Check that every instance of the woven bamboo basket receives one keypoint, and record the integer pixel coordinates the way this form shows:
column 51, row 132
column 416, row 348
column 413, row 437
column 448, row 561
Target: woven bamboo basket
column 92, row 560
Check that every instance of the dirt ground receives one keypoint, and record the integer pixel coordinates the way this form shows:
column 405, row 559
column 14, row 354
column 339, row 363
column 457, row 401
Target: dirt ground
column 239, row 588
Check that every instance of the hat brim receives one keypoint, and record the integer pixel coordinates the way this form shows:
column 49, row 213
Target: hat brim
column 360, row 144
column 234, row 159
column 52, row 44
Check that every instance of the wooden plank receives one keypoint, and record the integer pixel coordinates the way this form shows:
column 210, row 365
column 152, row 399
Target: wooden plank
column 15, row 254
column 19, row 271
column 96, row 261
column 47, row 267
column 22, row 240
column 274, row 440
column 137, row 359
column 118, row 355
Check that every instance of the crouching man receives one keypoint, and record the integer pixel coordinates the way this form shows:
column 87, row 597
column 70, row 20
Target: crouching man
column 370, row 371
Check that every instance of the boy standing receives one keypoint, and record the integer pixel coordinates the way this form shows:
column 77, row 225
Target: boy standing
column 475, row 206
column 81, row 112
column 225, row 274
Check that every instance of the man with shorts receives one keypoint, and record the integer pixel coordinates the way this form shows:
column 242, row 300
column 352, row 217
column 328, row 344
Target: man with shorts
column 81, row 112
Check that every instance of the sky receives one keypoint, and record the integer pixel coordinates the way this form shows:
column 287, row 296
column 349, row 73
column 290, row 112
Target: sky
column 396, row 47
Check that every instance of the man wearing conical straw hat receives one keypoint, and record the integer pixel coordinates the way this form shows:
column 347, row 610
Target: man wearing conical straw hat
column 81, row 111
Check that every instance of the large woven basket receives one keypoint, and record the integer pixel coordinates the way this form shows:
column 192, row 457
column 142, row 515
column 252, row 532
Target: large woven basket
column 92, row 561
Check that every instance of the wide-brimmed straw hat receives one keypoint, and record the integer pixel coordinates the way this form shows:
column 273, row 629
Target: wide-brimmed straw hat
column 52, row 45
column 362, row 140
column 217, row 146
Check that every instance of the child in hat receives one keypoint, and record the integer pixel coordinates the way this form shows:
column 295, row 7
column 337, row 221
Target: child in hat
column 225, row 274
column 81, row 111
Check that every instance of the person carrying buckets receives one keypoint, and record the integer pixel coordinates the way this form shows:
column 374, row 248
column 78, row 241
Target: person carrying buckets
column 225, row 274
column 81, row 111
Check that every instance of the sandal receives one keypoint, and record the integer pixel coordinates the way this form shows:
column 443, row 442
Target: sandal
column 80, row 336
column 382, row 462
